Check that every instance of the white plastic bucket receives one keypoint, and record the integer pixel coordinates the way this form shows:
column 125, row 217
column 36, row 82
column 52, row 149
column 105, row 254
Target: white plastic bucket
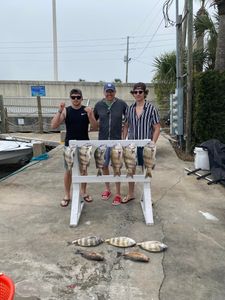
column 201, row 159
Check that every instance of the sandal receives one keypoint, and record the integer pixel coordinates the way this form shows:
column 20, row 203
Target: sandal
column 106, row 195
column 117, row 200
column 65, row 202
column 87, row 198
column 127, row 199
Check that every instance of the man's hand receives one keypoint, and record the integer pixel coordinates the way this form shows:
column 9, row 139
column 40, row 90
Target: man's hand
column 89, row 111
column 62, row 106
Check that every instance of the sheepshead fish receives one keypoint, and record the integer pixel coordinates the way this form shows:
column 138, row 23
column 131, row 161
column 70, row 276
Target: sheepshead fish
column 99, row 156
column 68, row 153
column 85, row 152
column 135, row 256
column 129, row 154
column 90, row 255
column 117, row 159
column 121, row 241
column 88, row 241
column 153, row 246
column 149, row 158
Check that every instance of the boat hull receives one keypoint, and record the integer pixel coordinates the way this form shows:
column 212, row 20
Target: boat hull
column 17, row 153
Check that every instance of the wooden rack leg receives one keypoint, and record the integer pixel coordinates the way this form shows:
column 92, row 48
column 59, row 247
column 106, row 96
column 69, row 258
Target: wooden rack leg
column 146, row 204
column 76, row 205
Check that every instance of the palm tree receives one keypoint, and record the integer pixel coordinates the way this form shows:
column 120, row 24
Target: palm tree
column 206, row 52
column 165, row 76
column 220, row 50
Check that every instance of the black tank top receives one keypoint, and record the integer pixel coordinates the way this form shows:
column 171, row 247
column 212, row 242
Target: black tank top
column 76, row 124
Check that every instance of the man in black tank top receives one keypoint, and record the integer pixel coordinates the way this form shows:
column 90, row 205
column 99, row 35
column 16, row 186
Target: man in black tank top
column 77, row 118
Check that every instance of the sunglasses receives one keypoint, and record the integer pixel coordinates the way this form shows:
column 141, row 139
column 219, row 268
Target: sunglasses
column 137, row 92
column 109, row 91
column 76, row 97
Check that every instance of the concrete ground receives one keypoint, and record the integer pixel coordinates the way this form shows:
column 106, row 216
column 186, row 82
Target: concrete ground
column 34, row 231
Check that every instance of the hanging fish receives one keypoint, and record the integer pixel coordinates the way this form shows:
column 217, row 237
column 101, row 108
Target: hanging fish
column 129, row 154
column 153, row 246
column 90, row 255
column 99, row 156
column 121, row 241
column 135, row 256
column 89, row 241
column 149, row 158
column 117, row 159
column 68, row 153
column 84, row 154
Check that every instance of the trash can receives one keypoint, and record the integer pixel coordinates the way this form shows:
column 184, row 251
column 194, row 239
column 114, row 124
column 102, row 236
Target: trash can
column 7, row 287
column 201, row 159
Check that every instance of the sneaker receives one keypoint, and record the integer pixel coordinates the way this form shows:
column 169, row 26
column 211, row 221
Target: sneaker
column 106, row 195
column 117, row 200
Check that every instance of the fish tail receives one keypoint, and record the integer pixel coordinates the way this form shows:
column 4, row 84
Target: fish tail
column 148, row 173
column 99, row 172
column 69, row 243
column 74, row 242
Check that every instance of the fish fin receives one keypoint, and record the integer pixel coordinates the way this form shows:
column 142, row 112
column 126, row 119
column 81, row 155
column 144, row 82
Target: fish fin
column 78, row 251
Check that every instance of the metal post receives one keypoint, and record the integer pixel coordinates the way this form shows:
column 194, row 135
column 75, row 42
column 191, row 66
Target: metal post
column 55, row 53
column 189, row 76
column 3, row 129
column 179, row 83
column 40, row 119
column 127, row 59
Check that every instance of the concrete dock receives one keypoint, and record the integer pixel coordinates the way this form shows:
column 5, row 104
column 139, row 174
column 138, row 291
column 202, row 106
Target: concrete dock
column 189, row 217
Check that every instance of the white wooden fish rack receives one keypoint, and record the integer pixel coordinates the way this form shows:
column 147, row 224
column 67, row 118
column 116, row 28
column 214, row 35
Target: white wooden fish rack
column 77, row 202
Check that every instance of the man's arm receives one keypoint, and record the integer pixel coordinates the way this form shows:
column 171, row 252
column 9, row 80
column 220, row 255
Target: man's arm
column 125, row 131
column 156, row 132
column 59, row 116
column 91, row 117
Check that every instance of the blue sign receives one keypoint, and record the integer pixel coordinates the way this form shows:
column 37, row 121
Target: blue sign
column 38, row 90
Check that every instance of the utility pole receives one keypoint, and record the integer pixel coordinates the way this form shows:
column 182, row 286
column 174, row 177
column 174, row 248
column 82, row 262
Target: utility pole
column 179, row 76
column 189, row 76
column 55, row 52
column 127, row 59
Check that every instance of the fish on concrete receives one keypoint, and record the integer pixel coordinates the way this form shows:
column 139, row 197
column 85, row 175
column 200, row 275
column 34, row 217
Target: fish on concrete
column 99, row 156
column 149, row 158
column 135, row 256
column 84, row 155
column 121, row 241
column 88, row 241
column 153, row 246
column 68, row 153
column 90, row 255
column 117, row 159
column 130, row 154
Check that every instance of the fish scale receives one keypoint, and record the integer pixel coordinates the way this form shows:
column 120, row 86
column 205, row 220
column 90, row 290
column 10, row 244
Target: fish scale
column 122, row 242
column 152, row 246
column 88, row 241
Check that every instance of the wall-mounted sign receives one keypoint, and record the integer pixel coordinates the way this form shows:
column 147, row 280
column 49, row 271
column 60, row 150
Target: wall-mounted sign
column 38, row 90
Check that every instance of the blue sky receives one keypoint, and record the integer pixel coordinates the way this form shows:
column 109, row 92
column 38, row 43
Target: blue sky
column 92, row 39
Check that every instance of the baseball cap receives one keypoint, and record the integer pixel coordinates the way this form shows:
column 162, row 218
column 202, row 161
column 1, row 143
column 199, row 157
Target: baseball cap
column 109, row 86
column 76, row 91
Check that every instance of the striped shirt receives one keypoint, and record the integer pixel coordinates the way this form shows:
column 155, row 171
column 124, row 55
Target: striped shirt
column 142, row 127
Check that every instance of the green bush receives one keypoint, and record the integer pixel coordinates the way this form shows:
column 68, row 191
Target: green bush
column 209, row 107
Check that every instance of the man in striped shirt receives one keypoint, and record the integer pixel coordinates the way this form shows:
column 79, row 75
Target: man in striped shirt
column 142, row 122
